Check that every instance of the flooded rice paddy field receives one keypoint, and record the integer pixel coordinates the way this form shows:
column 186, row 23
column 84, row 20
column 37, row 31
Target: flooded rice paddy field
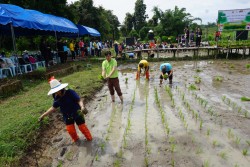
column 199, row 120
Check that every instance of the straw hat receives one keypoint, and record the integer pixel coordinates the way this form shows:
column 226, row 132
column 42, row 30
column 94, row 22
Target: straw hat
column 55, row 86
column 25, row 51
column 150, row 31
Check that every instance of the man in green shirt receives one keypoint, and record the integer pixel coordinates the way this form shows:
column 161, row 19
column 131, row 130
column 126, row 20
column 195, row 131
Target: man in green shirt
column 110, row 73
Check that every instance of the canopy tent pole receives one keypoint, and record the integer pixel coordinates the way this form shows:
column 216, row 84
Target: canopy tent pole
column 14, row 47
column 13, row 37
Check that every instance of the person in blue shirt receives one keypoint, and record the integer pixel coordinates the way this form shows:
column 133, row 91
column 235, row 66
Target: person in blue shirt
column 166, row 68
column 70, row 104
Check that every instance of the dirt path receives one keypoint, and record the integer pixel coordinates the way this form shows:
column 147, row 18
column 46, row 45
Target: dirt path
column 170, row 125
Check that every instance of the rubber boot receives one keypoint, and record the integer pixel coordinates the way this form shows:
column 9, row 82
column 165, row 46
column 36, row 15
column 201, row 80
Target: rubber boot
column 147, row 75
column 113, row 98
column 85, row 131
column 72, row 132
column 137, row 76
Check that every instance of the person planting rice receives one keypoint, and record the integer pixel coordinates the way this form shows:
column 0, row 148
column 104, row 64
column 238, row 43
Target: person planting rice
column 70, row 104
column 143, row 64
column 166, row 72
column 110, row 73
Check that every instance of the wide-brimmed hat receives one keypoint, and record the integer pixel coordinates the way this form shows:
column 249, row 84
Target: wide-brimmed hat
column 55, row 86
column 25, row 51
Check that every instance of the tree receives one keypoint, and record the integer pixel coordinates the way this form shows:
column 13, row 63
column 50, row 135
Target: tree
column 172, row 22
column 140, row 15
column 128, row 23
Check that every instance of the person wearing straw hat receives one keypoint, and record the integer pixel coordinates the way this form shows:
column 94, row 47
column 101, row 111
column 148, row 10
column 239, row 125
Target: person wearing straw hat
column 69, row 103
column 166, row 72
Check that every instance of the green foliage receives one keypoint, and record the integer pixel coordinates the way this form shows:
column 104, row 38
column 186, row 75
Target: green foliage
column 20, row 129
column 245, row 98
column 248, row 66
column 218, row 78
column 139, row 15
column 192, row 87
column 133, row 33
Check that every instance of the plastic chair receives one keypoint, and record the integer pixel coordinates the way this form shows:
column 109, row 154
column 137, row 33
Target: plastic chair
column 24, row 66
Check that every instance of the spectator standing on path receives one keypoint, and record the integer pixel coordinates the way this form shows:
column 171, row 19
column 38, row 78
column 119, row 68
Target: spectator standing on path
column 81, row 47
column 186, row 31
column 198, row 37
column 116, row 48
column 143, row 64
column 166, row 68
column 69, row 103
column 72, row 49
column 110, row 73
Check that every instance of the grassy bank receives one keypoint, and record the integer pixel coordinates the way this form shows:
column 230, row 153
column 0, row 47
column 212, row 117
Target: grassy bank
column 19, row 124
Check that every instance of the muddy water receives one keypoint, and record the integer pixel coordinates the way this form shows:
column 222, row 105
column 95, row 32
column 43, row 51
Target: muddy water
column 206, row 126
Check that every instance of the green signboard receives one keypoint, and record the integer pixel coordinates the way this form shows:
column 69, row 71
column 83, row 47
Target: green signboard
column 236, row 19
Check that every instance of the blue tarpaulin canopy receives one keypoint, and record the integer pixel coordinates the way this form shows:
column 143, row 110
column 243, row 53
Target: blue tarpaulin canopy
column 84, row 30
column 31, row 19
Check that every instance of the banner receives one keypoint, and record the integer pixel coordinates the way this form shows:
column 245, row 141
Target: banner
column 236, row 19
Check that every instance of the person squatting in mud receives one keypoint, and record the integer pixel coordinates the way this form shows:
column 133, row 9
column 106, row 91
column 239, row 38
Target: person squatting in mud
column 143, row 64
column 70, row 104
column 166, row 68
column 110, row 73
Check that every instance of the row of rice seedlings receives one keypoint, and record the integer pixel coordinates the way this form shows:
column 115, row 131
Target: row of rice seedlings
column 117, row 161
column 167, row 88
column 204, row 104
column 164, row 122
column 147, row 148
column 102, row 145
column 166, row 127
column 230, row 134
column 237, row 141
column 235, row 106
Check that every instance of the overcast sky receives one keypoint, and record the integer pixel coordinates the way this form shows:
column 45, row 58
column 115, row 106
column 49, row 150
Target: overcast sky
column 207, row 10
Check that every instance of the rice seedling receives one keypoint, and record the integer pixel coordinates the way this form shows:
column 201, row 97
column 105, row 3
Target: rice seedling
column 126, row 80
column 146, row 161
column 102, row 145
column 215, row 143
column 223, row 155
column 230, row 133
column 97, row 157
column 201, row 122
column 236, row 165
column 172, row 162
column 245, row 98
column 117, row 163
column 198, row 70
column 199, row 150
column 239, row 110
column 246, row 114
column 248, row 142
column 205, row 164
column 248, row 66
column 232, row 66
column 192, row 87
column 224, row 98
column 237, row 140
column 245, row 152
column 197, row 79
column 208, row 132
column 218, row 78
